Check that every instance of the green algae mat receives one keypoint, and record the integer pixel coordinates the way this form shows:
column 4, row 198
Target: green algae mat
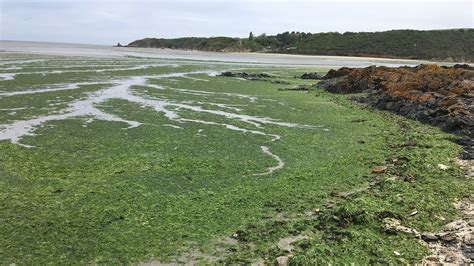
column 129, row 160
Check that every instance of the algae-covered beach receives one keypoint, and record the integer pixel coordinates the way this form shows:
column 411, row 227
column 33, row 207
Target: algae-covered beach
column 137, row 159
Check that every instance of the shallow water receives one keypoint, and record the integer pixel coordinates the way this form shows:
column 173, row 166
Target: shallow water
column 65, row 49
column 7, row 76
column 120, row 88
column 280, row 163
column 122, row 91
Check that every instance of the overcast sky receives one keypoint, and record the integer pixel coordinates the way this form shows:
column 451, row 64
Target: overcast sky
column 112, row 21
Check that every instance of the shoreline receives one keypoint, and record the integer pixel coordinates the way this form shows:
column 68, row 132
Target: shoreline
column 86, row 50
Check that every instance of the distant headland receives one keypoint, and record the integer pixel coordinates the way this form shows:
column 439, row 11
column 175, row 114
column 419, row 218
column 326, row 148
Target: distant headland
column 452, row 45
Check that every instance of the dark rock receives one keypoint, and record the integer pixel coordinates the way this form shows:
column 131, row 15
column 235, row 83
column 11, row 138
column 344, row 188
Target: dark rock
column 358, row 120
column 429, row 237
column 227, row 74
column 311, row 75
column 245, row 75
column 468, row 143
column 449, row 259
column 299, row 88
column 464, row 66
column 389, row 105
column 280, row 82
column 470, row 255
column 449, row 237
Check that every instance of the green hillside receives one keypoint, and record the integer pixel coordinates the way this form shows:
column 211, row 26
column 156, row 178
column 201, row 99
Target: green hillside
column 218, row 44
column 448, row 45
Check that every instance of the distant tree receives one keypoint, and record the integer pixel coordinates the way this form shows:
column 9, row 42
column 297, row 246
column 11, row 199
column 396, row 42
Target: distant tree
column 251, row 36
column 264, row 40
column 284, row 37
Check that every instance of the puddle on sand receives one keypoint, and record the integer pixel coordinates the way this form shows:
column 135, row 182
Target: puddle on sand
column 70, row 86
column 7, row 76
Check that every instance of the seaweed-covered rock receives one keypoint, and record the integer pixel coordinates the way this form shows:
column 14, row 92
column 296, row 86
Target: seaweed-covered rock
column 297, row 88
column 311, row 75
column 245, row 75
column 282, row 82
column 462, row 66
column 442, row 96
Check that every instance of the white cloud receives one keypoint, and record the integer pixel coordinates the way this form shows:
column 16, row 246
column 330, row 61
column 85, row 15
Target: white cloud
column 110, row 21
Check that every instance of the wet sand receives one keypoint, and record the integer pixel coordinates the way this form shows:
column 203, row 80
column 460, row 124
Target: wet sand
column 65, row 49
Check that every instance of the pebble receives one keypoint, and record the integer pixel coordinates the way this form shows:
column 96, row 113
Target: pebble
column 281, row 261
column 448, row 237
column 429, row 237
column 443, row 167
column 379, row 169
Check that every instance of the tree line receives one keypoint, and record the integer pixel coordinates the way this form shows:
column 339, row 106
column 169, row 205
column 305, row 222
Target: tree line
column 450, row 45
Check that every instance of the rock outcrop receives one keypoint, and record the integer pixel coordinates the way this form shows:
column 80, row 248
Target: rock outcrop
column 311, row 75
column 441, row 96
column 245, row 75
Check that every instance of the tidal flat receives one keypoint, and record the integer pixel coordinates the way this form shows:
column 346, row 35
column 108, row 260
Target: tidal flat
column 140, row 159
